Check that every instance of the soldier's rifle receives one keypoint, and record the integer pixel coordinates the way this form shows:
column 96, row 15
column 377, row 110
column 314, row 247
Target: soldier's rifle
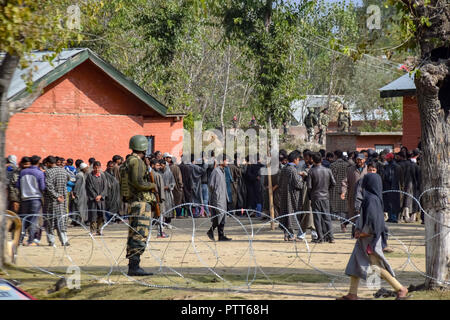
column 158, row 200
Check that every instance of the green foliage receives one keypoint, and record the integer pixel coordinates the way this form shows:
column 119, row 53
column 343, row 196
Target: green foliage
column 265, row 31
column 362, row 92
column 27, row 25
column 178, row 51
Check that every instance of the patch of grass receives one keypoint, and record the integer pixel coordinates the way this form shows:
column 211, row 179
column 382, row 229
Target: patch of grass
column 295, row 278
column 38, row 284
column 203, row 287
column 261, row 280
column 430, row 295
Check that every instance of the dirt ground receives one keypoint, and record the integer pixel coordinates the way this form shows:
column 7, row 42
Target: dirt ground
column 256, row 264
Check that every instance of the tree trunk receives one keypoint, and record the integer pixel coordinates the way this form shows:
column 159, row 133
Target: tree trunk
column 433, row 95
column 225, row 93
column 269, row 174
column 435, row 166
column 7, row 69
column 267, row 21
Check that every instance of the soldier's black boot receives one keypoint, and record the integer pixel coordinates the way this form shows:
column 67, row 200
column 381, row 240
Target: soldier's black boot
column 134, row 269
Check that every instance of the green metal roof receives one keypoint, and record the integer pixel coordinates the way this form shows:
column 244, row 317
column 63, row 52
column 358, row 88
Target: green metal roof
column 403, row 86
column 67, row 61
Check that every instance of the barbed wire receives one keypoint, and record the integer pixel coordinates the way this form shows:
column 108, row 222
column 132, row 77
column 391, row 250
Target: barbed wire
column 250, row 232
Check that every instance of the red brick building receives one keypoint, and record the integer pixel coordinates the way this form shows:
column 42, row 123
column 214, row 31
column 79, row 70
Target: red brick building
column 410, row 135
column 88, row 109
column 405, row 87
column 351, row 141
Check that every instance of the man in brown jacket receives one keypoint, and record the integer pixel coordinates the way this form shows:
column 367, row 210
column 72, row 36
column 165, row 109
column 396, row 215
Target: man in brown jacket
column 354, row 173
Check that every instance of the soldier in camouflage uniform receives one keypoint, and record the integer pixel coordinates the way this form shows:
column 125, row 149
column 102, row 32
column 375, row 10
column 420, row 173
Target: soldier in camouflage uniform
column 310, row 122
column 323, row 124
column 344, row 120
column 140, row 200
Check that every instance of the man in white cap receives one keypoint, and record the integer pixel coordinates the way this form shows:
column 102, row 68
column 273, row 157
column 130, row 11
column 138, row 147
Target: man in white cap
column 79, row 195
column 12, row 160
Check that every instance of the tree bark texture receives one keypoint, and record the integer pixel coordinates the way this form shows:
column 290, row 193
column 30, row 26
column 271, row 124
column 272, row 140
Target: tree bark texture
column 7, row 68
column 435, row 167
column 433, row 95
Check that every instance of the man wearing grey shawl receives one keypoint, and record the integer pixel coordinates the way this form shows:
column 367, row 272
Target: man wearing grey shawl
column 79, row 195
column 291, row 184
column 113, row 200
column 197, row 171
column 219, row 199
column 367, row 256
column 96, row 191
column 169, row 185
column 178, row 189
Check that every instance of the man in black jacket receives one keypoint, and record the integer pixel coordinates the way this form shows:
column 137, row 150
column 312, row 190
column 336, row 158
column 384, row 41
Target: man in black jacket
column 320, row 181
column 392, row 181
column 186, row 174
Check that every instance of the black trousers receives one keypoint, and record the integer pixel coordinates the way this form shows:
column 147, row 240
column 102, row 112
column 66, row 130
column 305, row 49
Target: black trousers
column 218, row 221
column 322, row 222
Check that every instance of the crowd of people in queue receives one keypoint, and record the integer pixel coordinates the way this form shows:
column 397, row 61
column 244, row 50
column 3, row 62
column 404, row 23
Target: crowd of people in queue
column 318, row 186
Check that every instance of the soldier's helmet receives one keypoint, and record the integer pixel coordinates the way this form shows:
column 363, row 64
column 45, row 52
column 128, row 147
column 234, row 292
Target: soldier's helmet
column 311, row 109
column 345, row 107
column 138, row 143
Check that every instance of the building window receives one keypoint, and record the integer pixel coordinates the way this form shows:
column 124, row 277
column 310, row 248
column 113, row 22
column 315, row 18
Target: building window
column 151, row 145
column 381, row 147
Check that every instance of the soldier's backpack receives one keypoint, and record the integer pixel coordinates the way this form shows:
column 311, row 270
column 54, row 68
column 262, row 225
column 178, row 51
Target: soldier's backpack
column 125, row 191
column 309, row 121
column 324, row 120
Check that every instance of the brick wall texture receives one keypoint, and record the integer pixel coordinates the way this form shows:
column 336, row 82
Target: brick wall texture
column 358, row 143
column 87, row 114
column 411, row 122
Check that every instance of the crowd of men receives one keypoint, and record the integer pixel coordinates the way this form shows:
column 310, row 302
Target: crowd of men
column 324, row 185
column 318, row 186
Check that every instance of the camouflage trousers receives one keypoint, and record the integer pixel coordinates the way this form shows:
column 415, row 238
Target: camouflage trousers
column 140, row 215
column 344, row 127
column 309, row 134
column 321, row 134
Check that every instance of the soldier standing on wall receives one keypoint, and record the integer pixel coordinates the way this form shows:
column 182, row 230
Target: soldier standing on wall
column 138, row 191
column 310, row 122
column 323, row 124
column 344, row 120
